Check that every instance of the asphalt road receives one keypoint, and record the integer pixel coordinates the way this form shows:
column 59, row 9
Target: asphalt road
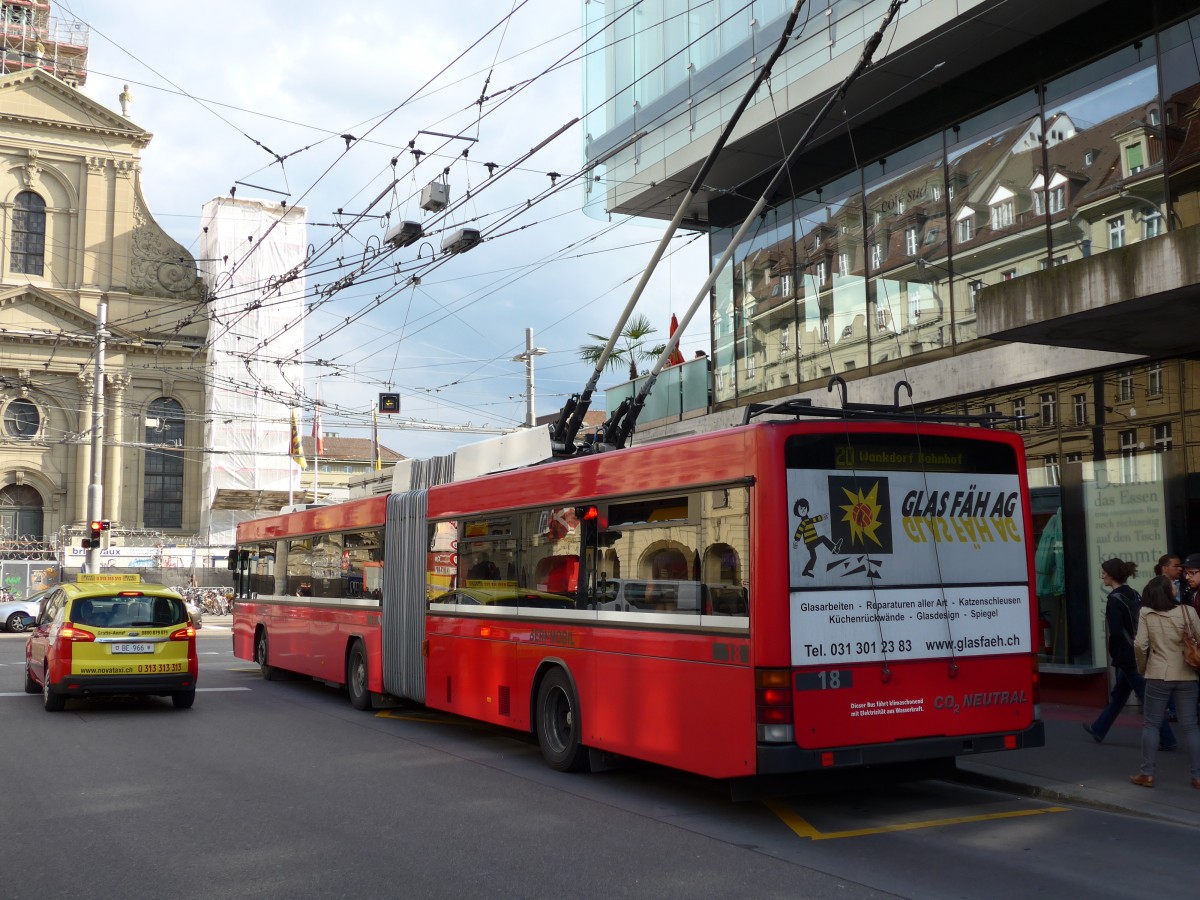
column 281, row 789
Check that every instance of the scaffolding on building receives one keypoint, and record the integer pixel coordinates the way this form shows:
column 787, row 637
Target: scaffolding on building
column 30, row 38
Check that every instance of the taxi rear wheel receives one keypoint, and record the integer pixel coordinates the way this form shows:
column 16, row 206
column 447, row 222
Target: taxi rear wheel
column 184, row 699
column 52, row 701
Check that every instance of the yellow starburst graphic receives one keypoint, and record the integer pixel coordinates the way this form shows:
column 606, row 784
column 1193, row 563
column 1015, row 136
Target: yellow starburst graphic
column 862, row 514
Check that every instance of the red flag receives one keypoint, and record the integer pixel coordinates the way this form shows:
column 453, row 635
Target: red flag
column 318, row 433
column 676, row 357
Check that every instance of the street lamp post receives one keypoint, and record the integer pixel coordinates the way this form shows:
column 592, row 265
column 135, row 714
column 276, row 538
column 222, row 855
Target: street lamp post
column 95, row 491
column 527, row 358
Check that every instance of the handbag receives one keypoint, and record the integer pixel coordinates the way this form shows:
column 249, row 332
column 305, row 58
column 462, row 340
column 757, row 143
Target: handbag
column 1191, row 641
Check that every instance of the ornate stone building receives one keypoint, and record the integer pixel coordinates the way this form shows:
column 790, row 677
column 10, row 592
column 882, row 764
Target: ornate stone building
column 75, row 232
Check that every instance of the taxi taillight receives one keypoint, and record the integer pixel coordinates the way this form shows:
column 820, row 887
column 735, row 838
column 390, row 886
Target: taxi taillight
column 183, row 634
column 70, row 633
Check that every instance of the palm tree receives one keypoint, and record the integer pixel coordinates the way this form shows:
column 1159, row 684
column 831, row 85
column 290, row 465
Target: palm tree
column 630, row 348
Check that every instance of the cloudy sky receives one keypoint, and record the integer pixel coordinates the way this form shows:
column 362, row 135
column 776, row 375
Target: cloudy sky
column 228, row 87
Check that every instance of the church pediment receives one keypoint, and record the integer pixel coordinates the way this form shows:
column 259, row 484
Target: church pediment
column 35, row 96
column 32, row 313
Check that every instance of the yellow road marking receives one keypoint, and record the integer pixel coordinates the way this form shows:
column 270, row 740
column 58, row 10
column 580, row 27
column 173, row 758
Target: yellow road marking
column 429, row 718
column 805, row 830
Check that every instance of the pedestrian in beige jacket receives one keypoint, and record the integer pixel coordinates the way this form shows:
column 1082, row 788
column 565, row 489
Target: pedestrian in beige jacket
column 1159, row 650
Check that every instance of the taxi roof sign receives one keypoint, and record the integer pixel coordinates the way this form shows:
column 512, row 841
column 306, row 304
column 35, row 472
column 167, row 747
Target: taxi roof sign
column 107, row 578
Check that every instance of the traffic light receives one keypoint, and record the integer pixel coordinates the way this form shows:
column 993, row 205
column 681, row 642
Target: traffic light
column 95, row 528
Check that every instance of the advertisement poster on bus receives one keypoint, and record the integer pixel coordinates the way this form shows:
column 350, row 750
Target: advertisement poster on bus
column 906, row 565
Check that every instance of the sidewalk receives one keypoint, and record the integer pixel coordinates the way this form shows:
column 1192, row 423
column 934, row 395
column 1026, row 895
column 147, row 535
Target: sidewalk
column 1073, row 768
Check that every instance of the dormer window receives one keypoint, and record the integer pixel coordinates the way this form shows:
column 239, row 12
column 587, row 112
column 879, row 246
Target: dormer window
column 1134, row 158
column 1089, row 157
column 1003, row 214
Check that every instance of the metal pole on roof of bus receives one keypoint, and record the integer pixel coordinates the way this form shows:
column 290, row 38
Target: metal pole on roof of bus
column 624, row 427
column 570, row 419
column 95, row 490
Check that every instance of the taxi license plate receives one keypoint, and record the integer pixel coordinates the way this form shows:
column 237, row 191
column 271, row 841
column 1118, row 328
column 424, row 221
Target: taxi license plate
column 132, row 648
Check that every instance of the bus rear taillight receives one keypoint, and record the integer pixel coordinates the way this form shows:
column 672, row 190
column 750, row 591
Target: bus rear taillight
column 773, row 705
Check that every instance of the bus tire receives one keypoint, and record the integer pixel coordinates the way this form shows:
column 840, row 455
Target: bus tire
column 269, row 672
column 356, row 677
column 558, row 723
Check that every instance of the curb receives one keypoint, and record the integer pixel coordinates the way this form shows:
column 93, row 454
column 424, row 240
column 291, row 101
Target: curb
column 1057, row 792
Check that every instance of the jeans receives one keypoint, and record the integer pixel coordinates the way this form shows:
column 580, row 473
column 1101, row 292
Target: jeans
column 1158, row 692
column 1128, row 682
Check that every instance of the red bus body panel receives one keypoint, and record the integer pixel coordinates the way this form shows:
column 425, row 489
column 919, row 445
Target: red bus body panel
column 309, row 638
column 662, row 697
column 678, row 696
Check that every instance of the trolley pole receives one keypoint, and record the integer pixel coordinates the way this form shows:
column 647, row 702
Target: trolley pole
column 527, row 358
column 95, row 494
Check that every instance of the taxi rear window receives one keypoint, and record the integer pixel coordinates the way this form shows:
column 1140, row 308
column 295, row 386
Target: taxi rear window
column 128, row 612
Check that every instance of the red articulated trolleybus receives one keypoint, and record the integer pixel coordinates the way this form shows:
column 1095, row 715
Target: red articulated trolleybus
column 778, row 597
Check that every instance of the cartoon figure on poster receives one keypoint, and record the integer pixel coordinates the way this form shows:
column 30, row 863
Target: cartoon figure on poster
column 806, row 531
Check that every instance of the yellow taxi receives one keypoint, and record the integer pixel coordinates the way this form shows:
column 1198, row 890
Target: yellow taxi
column 100, row 635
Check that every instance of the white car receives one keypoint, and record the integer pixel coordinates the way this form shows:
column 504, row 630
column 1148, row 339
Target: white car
column 12, row 611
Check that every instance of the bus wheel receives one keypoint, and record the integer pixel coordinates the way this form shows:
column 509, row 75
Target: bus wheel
column 260, row 657
column 558, row 724
column 356, row 677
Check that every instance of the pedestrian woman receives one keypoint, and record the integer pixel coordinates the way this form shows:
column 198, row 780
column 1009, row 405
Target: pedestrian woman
column 1159, row 648
column 1121, row 614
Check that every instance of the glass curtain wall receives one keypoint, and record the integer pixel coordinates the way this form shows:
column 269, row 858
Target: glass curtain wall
column 1077, row 167
column 832, row 314
column 906, row 252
